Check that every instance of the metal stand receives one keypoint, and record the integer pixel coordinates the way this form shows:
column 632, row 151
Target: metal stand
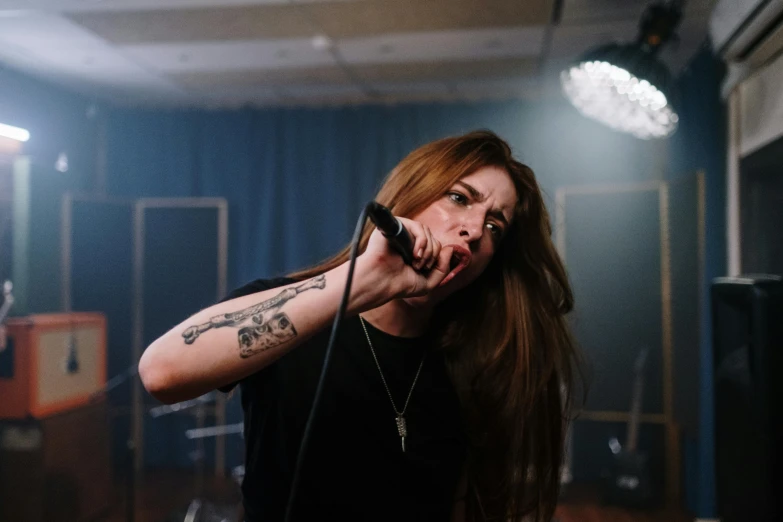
column 200, row 508
column 131, row 477
column 130, row 481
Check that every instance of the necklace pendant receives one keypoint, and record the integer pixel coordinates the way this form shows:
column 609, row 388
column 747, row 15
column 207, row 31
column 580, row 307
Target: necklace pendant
column 402, row 429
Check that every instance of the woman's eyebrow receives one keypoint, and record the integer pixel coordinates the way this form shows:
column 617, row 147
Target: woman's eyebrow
column 474, row 193
column 480, row 197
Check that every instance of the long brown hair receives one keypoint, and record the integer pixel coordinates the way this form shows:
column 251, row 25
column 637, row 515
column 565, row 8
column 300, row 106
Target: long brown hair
column 507, row 345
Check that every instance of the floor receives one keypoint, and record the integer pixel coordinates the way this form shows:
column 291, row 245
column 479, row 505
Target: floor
column 580, row 504
column 165, row 497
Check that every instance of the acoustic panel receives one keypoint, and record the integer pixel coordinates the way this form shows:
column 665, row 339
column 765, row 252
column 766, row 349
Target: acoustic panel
column 686, row 232
column 181, row 256
column 613, row 255
column 99, row 272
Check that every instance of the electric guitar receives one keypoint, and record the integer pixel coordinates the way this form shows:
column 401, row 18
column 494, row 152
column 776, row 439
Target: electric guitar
column 629, row 482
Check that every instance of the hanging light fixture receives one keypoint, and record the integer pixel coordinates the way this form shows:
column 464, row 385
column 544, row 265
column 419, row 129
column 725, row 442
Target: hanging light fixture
column 626, row 86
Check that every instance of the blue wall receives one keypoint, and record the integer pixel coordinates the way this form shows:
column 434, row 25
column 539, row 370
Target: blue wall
column 57, row 120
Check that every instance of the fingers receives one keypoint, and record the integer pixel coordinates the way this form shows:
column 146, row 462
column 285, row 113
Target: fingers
column 419, row 242
column 435, row 253
column 426, row 258
column 431, row 252
column 427, row 281
column 425, row 246
column 441, row 268
column 431, row 260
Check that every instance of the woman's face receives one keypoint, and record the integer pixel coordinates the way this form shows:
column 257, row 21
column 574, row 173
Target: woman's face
column 474, row 216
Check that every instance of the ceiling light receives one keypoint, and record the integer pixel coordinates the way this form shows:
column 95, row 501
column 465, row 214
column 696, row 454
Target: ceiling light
column 61, row 165
column 625, row 86
column 15, row 133
column 321, row 42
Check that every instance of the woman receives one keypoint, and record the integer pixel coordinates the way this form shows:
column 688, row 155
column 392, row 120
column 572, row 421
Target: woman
column 467, row 351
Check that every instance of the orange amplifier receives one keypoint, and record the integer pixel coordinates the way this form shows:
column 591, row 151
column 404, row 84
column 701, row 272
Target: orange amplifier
column 51, row 363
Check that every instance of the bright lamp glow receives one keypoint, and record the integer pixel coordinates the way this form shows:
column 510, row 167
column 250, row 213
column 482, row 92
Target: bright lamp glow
column 15, row 133
column 625, row 86
column 617, row 98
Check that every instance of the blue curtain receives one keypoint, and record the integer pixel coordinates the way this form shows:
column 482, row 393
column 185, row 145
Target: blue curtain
column 296, row 179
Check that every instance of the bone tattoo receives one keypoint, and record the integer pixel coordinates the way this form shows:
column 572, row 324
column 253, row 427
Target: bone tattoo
column 261, row 326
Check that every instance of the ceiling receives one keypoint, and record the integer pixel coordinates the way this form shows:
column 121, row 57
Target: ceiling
column 270, row 52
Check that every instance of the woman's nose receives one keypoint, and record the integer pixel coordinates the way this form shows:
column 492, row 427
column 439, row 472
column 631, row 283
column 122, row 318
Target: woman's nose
column 471, row 230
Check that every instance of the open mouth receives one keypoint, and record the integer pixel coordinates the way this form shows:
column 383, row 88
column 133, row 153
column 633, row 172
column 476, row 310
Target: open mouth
column 460, row 259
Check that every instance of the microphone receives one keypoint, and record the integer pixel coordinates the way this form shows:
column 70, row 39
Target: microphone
column 392, row 229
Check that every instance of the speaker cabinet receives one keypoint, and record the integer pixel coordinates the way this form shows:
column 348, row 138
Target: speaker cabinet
column 57, row 468
column 51, row 363
column 748, row 361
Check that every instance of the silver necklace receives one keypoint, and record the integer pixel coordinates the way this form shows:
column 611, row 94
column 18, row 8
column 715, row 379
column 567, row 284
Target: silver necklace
column 402, row 428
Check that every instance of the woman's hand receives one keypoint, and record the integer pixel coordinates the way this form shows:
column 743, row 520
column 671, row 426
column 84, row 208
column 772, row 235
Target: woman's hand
column 383, row 264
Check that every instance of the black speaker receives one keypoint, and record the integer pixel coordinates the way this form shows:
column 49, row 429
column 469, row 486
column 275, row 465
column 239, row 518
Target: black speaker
column 748, row 364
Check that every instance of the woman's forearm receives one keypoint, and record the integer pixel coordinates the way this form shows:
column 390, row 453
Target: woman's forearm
column 231, row 340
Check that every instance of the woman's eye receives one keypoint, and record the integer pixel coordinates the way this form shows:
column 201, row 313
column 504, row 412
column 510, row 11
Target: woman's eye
column 496, row 230
column 456, row 197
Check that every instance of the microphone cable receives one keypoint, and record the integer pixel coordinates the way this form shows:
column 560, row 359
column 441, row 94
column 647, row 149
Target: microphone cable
column 366, row 212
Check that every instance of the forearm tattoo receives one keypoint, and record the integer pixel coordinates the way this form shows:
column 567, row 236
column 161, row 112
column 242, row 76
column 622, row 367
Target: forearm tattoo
column 261, row 326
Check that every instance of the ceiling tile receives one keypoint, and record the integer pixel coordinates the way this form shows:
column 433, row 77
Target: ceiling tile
column 336, row 19
column 49, row 44
column 323, row 95
column 421, row 96
column 233, row 23
column 225, row 56
column 138, row 5
column 378, row 17
column 420, row 87
column 444, row 45
column 321, row 90
column 517, row 87
column 445, row 71
column 500, row 88
column 261, row 78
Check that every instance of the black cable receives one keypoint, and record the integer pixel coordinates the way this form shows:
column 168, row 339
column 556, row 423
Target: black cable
column 327, row 359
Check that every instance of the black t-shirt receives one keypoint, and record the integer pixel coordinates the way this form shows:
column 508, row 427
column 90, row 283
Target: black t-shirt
column 354, row 468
